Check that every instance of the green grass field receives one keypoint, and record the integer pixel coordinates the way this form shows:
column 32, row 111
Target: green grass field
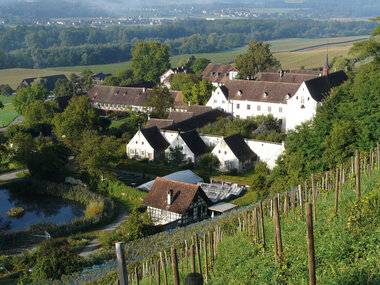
column 310, row 58
column 8, row 113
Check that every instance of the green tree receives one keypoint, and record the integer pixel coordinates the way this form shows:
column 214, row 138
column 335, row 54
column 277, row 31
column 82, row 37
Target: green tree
column 209, row 162
column 5, row 90
column 86, row 79
column 97, row 155
column 199, row 65
column 20, row 148
column 77, row 117
column 40, row 82
column 40, row 112
column 149, row 60
column 258, row 58
column 26, row 96
column 160, row 100
column 180, row 79
column 176, row 154
column 63, row 88
column 197, row 93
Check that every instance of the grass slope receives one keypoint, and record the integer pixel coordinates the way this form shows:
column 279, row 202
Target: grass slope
column 8, row 113
column 343, row 255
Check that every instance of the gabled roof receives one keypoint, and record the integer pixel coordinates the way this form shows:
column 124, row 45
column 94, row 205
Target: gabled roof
column 194, row 142
column 240, row 148
column 179, row 116
column 320, row 87
column 101, row 76
column 259, row 91
column 261, row 129
column 50, row 80
column 131, row 96
column 284, row 76
column 198, row 121
column 198, row 109
column 155, row 139
column 183, row 195
column 63, row 101
column 159, row 123
column 217, row 73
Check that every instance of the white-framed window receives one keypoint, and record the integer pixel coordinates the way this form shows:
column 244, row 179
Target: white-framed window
column 258, row 108
column 131, row 151
column 225, row 152
column 142, row 152
column 248, row 107
column 215, row 101
column 280, row 109
column 137, row 142
column 223, row 101
column 142, row 142
column 269, row 109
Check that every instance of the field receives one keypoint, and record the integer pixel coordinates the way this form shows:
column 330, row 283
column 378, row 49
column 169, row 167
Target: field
column 292, row 53
column 8, row 113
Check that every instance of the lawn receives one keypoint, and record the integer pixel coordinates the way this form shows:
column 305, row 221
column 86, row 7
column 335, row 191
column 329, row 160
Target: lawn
column 8, row 113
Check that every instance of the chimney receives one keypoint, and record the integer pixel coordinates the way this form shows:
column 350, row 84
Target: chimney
column 144, row 89
column 148, row 116
column 170, row 197
column 139, row 127
column 325, row 71
column 188, row 103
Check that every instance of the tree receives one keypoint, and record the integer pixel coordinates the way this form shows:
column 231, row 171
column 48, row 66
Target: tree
column 86, row 79
column 199, row 65
column 40, row 82
column 5, row 90
column 63, row 88
column 97, row 154
column 209, row 162
column 197, row 93
column 77, row 117
column 40, row 112
column 176, row 155
column 160, row 100
column 149, row 60
column 180, row 79
column 258, row 58
column 26, row 96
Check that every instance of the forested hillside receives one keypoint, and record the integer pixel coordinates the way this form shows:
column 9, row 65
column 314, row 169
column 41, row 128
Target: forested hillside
column 39, row 46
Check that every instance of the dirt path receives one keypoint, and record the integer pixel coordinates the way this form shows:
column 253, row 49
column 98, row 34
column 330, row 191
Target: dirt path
column 95, row 244
column 11, row 175
column 15, row 121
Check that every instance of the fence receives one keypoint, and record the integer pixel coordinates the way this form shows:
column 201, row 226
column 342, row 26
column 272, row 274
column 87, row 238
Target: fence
column 147, row 257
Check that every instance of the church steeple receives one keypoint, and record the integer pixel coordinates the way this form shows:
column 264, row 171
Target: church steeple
column 326, row 66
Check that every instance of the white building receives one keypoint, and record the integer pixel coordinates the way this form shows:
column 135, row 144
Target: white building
column 234, row 153
column 293, row 103
column 147, row 143
column 167, row 76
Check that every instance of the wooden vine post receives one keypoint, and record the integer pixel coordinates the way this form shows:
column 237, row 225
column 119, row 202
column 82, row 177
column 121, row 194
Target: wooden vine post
column 192, row 257
column 293, row 204
column 357, row 174
column 310, row 244
column 175, row 266
column 276, row 217
column 301, row 199
column 157, row 269
column 314, row 198
column 262, row 224
column 121, row 264
column 198, row 254
column 205, row 253
column 336, row 191
column 163, row 266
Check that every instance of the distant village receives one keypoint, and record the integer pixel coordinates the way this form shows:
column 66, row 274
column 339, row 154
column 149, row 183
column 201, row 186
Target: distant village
column 291, row 96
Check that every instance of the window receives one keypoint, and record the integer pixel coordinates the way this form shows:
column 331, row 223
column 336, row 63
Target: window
column 237, row 106
column 269, row 109
column 223, row 101
column 238, row 116
column 137, row 142
column 258, row 108
column 142, row 142
column 248, row 107
column 308, row 98
column 219, row 151
column 225, row 152
column 280, row 109
column 215, row 101
column 296, row 97
column 131, row 151
column 142, row 152
column 302, row 100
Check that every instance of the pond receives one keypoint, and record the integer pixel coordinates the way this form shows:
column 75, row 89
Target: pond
column 38, row 208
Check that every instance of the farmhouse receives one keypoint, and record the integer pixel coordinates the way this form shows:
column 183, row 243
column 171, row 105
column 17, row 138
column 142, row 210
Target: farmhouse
column 50, row 81
column 190, row 144
column 167, row 76
column 147, row 143
column 218, row 74
column 293, row 103
column 234, row 153
column 99, row 77
column 171, row 201
column 112, row 98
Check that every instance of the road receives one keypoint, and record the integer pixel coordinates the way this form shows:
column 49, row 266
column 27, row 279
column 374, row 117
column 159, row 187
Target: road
column 12, row 175
column 15, row 121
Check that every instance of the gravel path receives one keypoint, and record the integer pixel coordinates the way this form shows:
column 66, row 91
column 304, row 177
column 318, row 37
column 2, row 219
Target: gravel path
column 15, row 121
column 12, row 175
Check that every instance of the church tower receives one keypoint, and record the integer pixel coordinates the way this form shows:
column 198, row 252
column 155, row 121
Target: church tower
column 326, row 66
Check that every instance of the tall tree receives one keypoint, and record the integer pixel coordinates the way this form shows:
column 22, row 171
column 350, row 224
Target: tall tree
column 258, row 58
column 197, row 93
column 63, row 88
column 160, row 100
column 149, row 60
column 40, row 112
column 180, row 79
column 26, row 96
column 77, row 117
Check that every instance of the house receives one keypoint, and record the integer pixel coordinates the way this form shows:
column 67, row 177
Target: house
column 221, row 208
column 159, row 123
column 147, row 143
column 99, row 77
column 218, row 74
column 176, row 202
column 286, row 76
column 167, row 76
column 234, row 153
column 113, row 98
column 186, row 176
column 179, row 116
column 293, row 103
column 190, row 142
column 50, row 81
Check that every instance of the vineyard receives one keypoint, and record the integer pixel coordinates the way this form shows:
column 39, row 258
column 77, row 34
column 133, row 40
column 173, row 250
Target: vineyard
column 267, row 241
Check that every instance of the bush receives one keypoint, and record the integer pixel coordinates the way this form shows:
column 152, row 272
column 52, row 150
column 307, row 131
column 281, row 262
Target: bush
column 95, row 208
column 16, row 212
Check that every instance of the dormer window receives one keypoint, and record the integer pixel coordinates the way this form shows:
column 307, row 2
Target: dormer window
column 302, row 106
column 239, row 93
column 287, row 96
column 265, row 95
column 116, row 93
column 125, row 93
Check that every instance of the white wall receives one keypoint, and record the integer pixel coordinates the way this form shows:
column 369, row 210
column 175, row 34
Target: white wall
column 218, row 100
column 212, row 140
column 266, row 151
column 296, row 115
column 139, row 146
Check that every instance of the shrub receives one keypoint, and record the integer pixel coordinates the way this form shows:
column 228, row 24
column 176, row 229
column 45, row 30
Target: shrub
column 16, row 212
column 95, row 208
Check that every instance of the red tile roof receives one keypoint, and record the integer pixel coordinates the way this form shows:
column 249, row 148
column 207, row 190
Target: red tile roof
column 217, row 73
